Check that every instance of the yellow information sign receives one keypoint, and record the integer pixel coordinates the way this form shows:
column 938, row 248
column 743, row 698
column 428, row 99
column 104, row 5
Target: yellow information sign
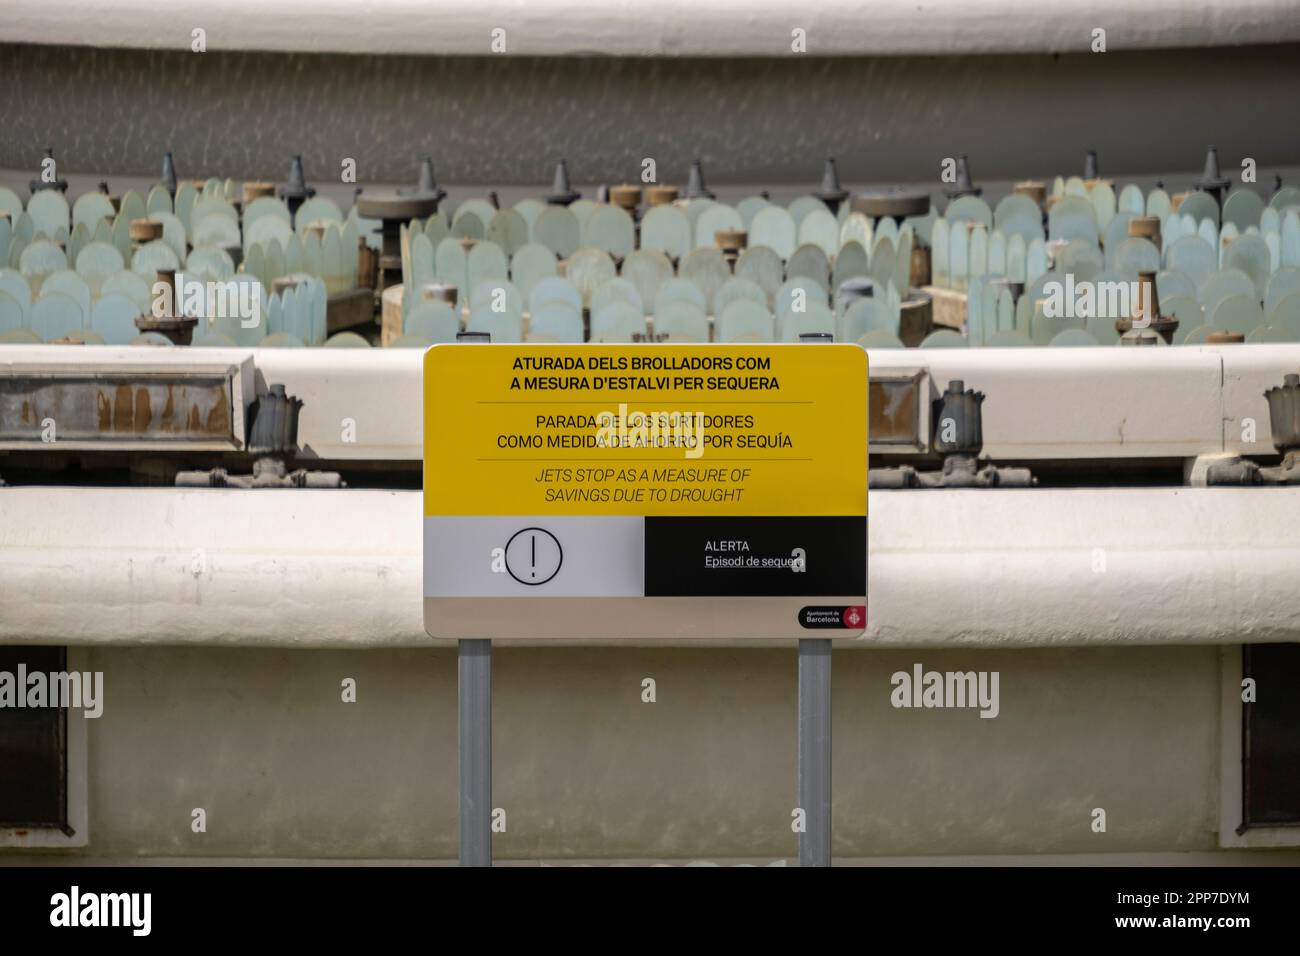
column 579, row 491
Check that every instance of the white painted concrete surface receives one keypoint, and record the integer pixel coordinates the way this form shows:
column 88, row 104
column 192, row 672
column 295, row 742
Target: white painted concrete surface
column 988, row 568
column 667, row 28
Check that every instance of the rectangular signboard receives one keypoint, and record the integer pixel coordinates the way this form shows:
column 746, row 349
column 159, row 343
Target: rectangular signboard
column 645, row 492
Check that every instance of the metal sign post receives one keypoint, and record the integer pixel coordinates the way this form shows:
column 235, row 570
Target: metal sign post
column 474, row 744
column 814, row 755
column 474, row 730
column 815, row 751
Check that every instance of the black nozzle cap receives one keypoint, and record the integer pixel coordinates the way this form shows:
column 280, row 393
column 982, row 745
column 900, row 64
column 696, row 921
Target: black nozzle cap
column 562, row 192
column 695, row 188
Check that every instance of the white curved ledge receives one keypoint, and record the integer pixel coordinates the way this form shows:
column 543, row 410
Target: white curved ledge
column 1028, row 568
column 667, row 28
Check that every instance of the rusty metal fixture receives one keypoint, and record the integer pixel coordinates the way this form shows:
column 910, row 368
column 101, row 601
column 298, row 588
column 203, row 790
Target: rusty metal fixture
column 295, row 190
column 168, row 278
column 268, row 472
column 660, row 195
column 1145, row 227
column 1284, row 414
column 172, row 323
column 1091, row 168
column 918, row 269
column 273, row 423
column 1139, row 337
column 141, row 231
column 625, row 197
column 426, row 184
column 257, row 190
column 467, row 243
column 1211, row 180
column 895, row 202
column 1033, row 189
column 397, row 205
column 1176, row 200
column 1147, row 307
column 731, row 242
column 958, row 435
column 168, row 180
column 350, row 309
column 831, row 192
column 1284, row 426
column 179, row 329
column 958, row 421
column 394, row 208
column 1149, row 298
column 562, row 191
column 963, row 186
column 39, row 183
column 1233, row 470
column 367, row 265
column 915, row 318
column 1225, row 338
column 317, row 229
column 695, row 188
column 1284, row 423
column 116, row 404
column 440, row 292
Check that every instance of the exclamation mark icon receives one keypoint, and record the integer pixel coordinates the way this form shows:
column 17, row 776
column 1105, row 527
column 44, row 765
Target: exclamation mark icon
column 534, row 555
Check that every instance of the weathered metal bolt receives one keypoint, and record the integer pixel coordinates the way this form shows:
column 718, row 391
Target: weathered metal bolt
column 39, row 183
column 958, row 421
column 695, row 188
column 562, row 192
column 295, row 191
column 1091, row 168
column 1213, row 181
column 831, row 192
column 168, row 181
column 1284, row 413
column 963, row 186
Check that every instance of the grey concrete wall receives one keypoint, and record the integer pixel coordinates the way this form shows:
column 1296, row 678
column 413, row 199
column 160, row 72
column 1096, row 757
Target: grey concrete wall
column 261, row 740
column 504, row 119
